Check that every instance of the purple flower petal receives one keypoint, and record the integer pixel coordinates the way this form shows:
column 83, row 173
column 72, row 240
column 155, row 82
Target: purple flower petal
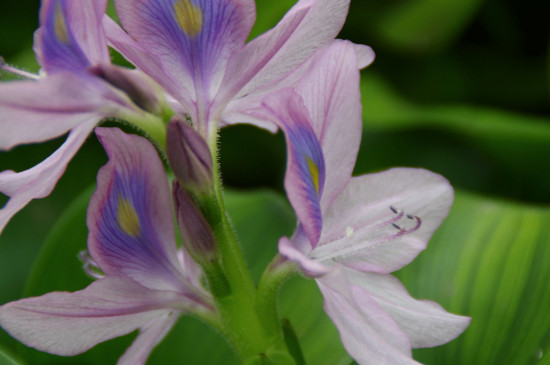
column 330, row 90
column 38, row 181
column 310, row 267
column 34, row 111
column 130, row 214
column 365, row 55
column 426, row 323
column 318, row 28
column 71, row 323
column 59, row 49
column 380, row 222
column 192, row 39
column 368, row 333
column 84, row 19
column 305, row 175
column 237, row 109
column 149, row 337
column 246, row 63
column 147, row 62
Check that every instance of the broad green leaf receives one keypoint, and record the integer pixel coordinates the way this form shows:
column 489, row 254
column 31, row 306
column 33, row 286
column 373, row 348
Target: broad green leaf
column 385, row 109
column 420, row 26
column 6, row 358
column 491, row 261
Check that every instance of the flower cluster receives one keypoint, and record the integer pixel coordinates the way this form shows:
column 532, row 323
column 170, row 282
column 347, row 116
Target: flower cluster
column 194, row 73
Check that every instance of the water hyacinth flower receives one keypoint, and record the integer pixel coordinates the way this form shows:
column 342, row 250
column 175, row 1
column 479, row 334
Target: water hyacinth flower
column 196, row 50
column 145, row 282
column 354, row 232
column 76, row 89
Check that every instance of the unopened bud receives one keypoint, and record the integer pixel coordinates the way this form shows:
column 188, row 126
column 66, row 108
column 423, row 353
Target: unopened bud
column 196, row 234
column 140, row 89
column 189, row 156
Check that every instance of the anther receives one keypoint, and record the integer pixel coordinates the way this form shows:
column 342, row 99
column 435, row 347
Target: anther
column 394, row 210
column 410, row 216
column 396, row 226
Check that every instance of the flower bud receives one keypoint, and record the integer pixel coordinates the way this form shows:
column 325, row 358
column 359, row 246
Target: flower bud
column 189, row 156
column 140, row 89
column 196, row 235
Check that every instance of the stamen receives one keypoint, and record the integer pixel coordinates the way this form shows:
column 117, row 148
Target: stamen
column 372, row 234
column 403, row 231
column 15, row 71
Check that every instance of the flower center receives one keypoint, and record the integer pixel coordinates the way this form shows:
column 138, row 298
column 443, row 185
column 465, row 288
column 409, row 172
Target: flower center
column 189, row 17
column 359, row 236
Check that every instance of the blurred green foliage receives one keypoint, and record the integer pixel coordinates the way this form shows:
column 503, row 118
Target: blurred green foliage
column 460, row 87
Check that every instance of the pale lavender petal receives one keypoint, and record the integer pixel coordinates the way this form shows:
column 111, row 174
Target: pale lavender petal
column 148, row 63
column 318, row 28
column 84, row 19
column 367, row 332
column 148, row 338
column 310, row 267
column 330, row 90
column 426, row 323
column 34, row 111
column 70, row 323
column 59, row 48
column 192, row 271
column 382, row 221
column 192, row 38
column 365, row 55
column 305, row 174
column 130, row 214
column 236, row 110
column 38, row 181
column 246, row 63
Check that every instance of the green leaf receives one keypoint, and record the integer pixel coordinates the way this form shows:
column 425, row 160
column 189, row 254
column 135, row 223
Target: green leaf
column 275, row 358
column 6, row 358
column 490, row 260
column 420, row 26
column 385, row 109
column 293, row 343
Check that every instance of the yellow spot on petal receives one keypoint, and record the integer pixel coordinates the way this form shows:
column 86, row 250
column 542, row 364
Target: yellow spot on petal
column 188, row 16
column 127, row 218
column 349, row 231
column 314, row 172
column 60, row 25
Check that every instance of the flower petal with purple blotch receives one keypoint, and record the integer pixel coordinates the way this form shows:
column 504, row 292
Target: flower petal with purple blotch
column 305, row 174
column 130, row 214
